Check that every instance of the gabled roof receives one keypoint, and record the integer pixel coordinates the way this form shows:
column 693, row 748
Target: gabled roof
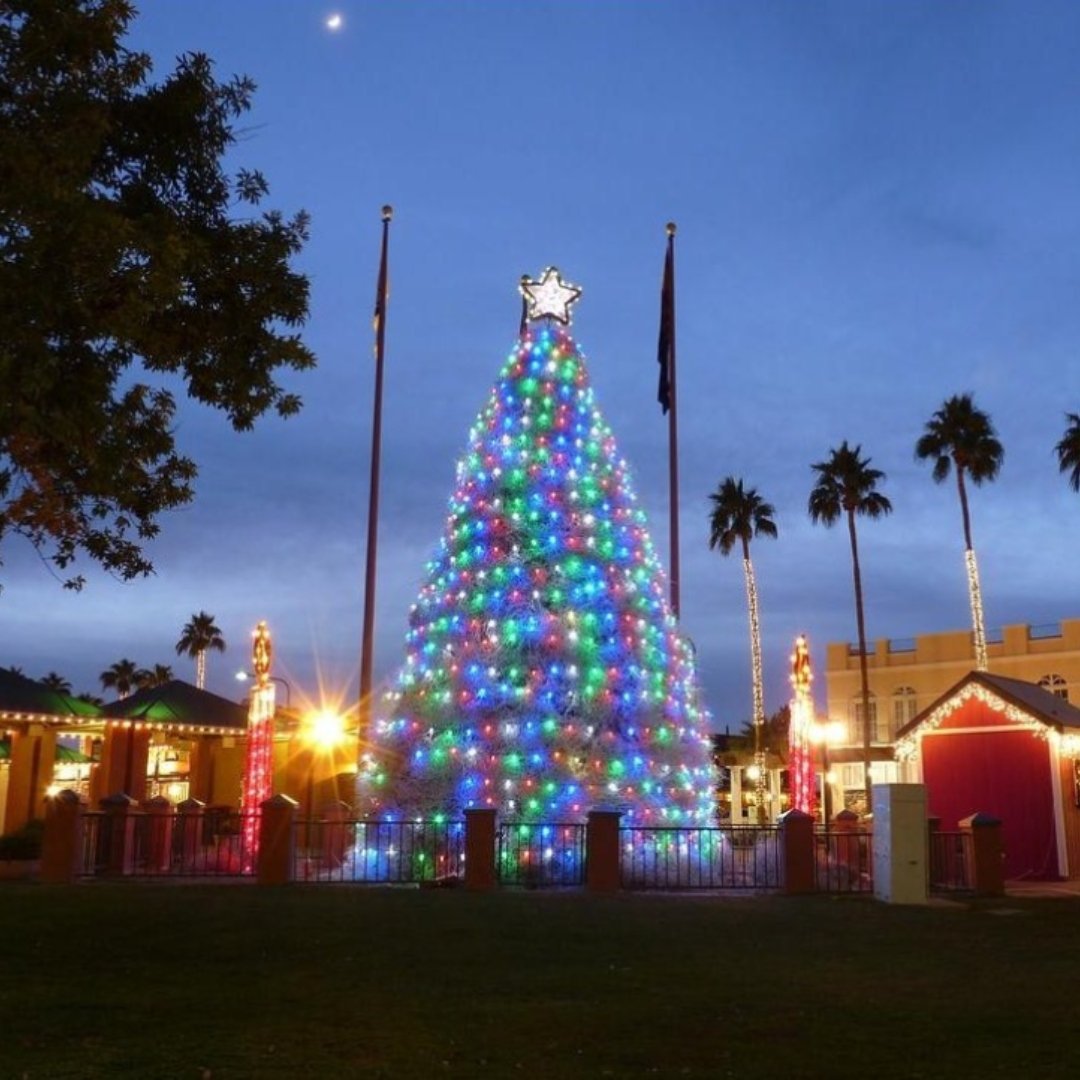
column 179, row 704
column 1029, row 703
column 23, row 697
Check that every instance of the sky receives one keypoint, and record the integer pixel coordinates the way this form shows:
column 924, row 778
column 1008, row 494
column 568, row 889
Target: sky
column 877, row 210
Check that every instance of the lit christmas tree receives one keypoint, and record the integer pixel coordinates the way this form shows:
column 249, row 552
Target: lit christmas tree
column 545, row 675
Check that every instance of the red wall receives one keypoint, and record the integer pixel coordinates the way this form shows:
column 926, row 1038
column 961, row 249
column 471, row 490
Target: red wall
column 1004, row 773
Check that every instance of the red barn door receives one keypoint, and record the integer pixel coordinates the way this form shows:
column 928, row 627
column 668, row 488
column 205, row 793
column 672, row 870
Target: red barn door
column 1004, row 773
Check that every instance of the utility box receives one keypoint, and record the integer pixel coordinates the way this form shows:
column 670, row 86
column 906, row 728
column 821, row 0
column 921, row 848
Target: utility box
column 900, row 864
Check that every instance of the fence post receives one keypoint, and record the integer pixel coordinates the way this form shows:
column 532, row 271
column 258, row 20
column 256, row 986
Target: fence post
column 62, row 843
column 480, row 850
column 120, row 810
column 602, row 850
column 190, row 824
column 277, row 839
column 987, row 854
column 159, row 855
column 334, row 841
column 797, row 842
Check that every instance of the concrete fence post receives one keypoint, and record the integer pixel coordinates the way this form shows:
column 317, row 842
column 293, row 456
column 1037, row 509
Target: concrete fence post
column 62, row 843
column 159, row 849
column 987, row 854
column 480, row 873
column 189, row 824
column 120, row 812
column 334, row 838
column 602, row 851
column 797, row 852
column 277, row 841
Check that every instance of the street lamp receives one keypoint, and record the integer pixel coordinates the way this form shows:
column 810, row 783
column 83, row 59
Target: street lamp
column 243, row 676
column 826, row 734
column 323, row 731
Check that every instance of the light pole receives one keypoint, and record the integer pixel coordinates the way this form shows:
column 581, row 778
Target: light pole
column 323, row 731
column 243, row 676
column 831, row 732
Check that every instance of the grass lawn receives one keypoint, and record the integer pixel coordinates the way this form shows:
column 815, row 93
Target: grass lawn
column 158, row 980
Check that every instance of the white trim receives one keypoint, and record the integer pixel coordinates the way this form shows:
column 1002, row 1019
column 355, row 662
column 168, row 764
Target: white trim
column 978, row 730
column 1059, row 811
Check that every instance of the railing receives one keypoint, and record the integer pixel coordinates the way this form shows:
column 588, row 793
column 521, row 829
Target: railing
column 139, row 844
column 379, row 852
column 843, row 860
column 733, row 857
column 950, row 858
column 540, row 855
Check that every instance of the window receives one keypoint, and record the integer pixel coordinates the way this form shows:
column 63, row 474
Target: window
column 876, row 733
column 851, row 776
column 1056, row 685
column 905, row 706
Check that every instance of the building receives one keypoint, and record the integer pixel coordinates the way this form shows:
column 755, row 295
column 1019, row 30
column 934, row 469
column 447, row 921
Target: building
column 1007, row 748
column 907, row 675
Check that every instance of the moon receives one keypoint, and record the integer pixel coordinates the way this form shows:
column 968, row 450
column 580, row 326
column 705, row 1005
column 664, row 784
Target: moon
column 334, row 22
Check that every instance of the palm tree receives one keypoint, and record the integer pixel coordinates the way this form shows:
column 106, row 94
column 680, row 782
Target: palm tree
column 960, row 434
column 56, row 682
column 120, row 677
column 199, row 634
column 1068, row 450
column 846, row 485
column 738, row 515
column 158, row 675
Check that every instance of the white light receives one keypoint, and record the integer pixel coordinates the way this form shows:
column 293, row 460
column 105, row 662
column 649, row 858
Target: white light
column 334, row 22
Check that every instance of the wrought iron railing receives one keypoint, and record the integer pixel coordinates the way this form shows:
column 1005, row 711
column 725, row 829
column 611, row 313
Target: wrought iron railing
column 141, row 844
column 950, row 861
column 379, row 852
column 543, row 855
column 733, row 857
column 843, row 860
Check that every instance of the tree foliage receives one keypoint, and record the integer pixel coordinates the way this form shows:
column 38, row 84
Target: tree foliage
column 738, row 515
column 1068, row 451
column 127, row 275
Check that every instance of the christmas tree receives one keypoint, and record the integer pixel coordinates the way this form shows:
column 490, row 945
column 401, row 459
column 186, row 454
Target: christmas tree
column 545, row 675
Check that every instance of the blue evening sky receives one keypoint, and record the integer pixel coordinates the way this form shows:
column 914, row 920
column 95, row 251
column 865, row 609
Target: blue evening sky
column 877, row 208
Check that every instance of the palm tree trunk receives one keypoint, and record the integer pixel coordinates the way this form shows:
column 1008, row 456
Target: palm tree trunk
column 758, row 681
column 978, row 621
column 863, row 673
column 200, row 669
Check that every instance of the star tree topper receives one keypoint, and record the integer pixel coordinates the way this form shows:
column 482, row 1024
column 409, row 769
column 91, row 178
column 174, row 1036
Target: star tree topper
column 550, row 297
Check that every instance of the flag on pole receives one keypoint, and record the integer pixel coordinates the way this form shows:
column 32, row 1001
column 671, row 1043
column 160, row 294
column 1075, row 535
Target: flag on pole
column 382, row 288
column 665, row 352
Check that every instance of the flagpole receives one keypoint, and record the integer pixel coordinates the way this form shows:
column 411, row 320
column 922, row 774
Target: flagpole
column 673, row 423
column 368, row 640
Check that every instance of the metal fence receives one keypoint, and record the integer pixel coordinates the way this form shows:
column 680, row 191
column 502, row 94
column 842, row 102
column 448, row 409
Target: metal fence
column 379, row 852
column 164, row 845
column 843, row 860
column 950, row 858
column 540, row 855
column 733, row 857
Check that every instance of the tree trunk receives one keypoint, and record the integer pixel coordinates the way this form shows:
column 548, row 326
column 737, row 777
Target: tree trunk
column 978, row 621
column 758, row 681
column 863, row 673
column 200, row 669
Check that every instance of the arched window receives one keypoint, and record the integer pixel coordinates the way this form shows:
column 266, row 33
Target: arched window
column 1056, row 685
column 905, row 706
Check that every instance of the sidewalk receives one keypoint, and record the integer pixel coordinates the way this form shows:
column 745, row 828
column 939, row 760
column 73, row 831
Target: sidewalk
column 1062, row 890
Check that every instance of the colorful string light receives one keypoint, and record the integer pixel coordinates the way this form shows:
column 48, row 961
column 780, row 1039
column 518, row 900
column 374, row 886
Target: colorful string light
column 544, row 673
column 800, row 732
